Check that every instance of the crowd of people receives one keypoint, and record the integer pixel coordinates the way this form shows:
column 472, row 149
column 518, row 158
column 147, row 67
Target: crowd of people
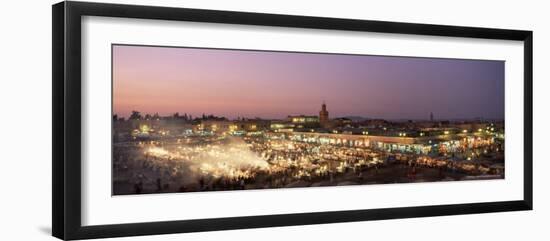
column 199, row 163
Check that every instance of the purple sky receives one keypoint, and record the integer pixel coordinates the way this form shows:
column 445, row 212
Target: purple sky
column 264, row 84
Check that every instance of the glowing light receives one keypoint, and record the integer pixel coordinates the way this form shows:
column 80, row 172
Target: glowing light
column 144, row 129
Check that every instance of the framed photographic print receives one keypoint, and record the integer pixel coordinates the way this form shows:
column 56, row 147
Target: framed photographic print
column 170, row 120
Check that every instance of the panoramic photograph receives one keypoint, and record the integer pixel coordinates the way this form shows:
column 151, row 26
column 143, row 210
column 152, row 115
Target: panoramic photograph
column 202, row 119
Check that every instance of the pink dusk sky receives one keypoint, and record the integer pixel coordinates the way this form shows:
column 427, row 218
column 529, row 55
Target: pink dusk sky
column 237, row 83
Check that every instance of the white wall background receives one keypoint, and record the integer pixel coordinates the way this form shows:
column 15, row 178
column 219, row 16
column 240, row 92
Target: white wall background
column 25, row 119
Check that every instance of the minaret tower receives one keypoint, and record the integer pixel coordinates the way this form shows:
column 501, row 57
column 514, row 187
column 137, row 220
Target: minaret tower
column 323, row 115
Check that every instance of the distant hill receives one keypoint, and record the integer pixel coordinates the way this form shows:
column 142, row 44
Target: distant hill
column 356, row 118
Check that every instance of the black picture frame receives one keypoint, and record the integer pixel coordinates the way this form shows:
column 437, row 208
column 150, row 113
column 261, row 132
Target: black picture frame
column 66, row 158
